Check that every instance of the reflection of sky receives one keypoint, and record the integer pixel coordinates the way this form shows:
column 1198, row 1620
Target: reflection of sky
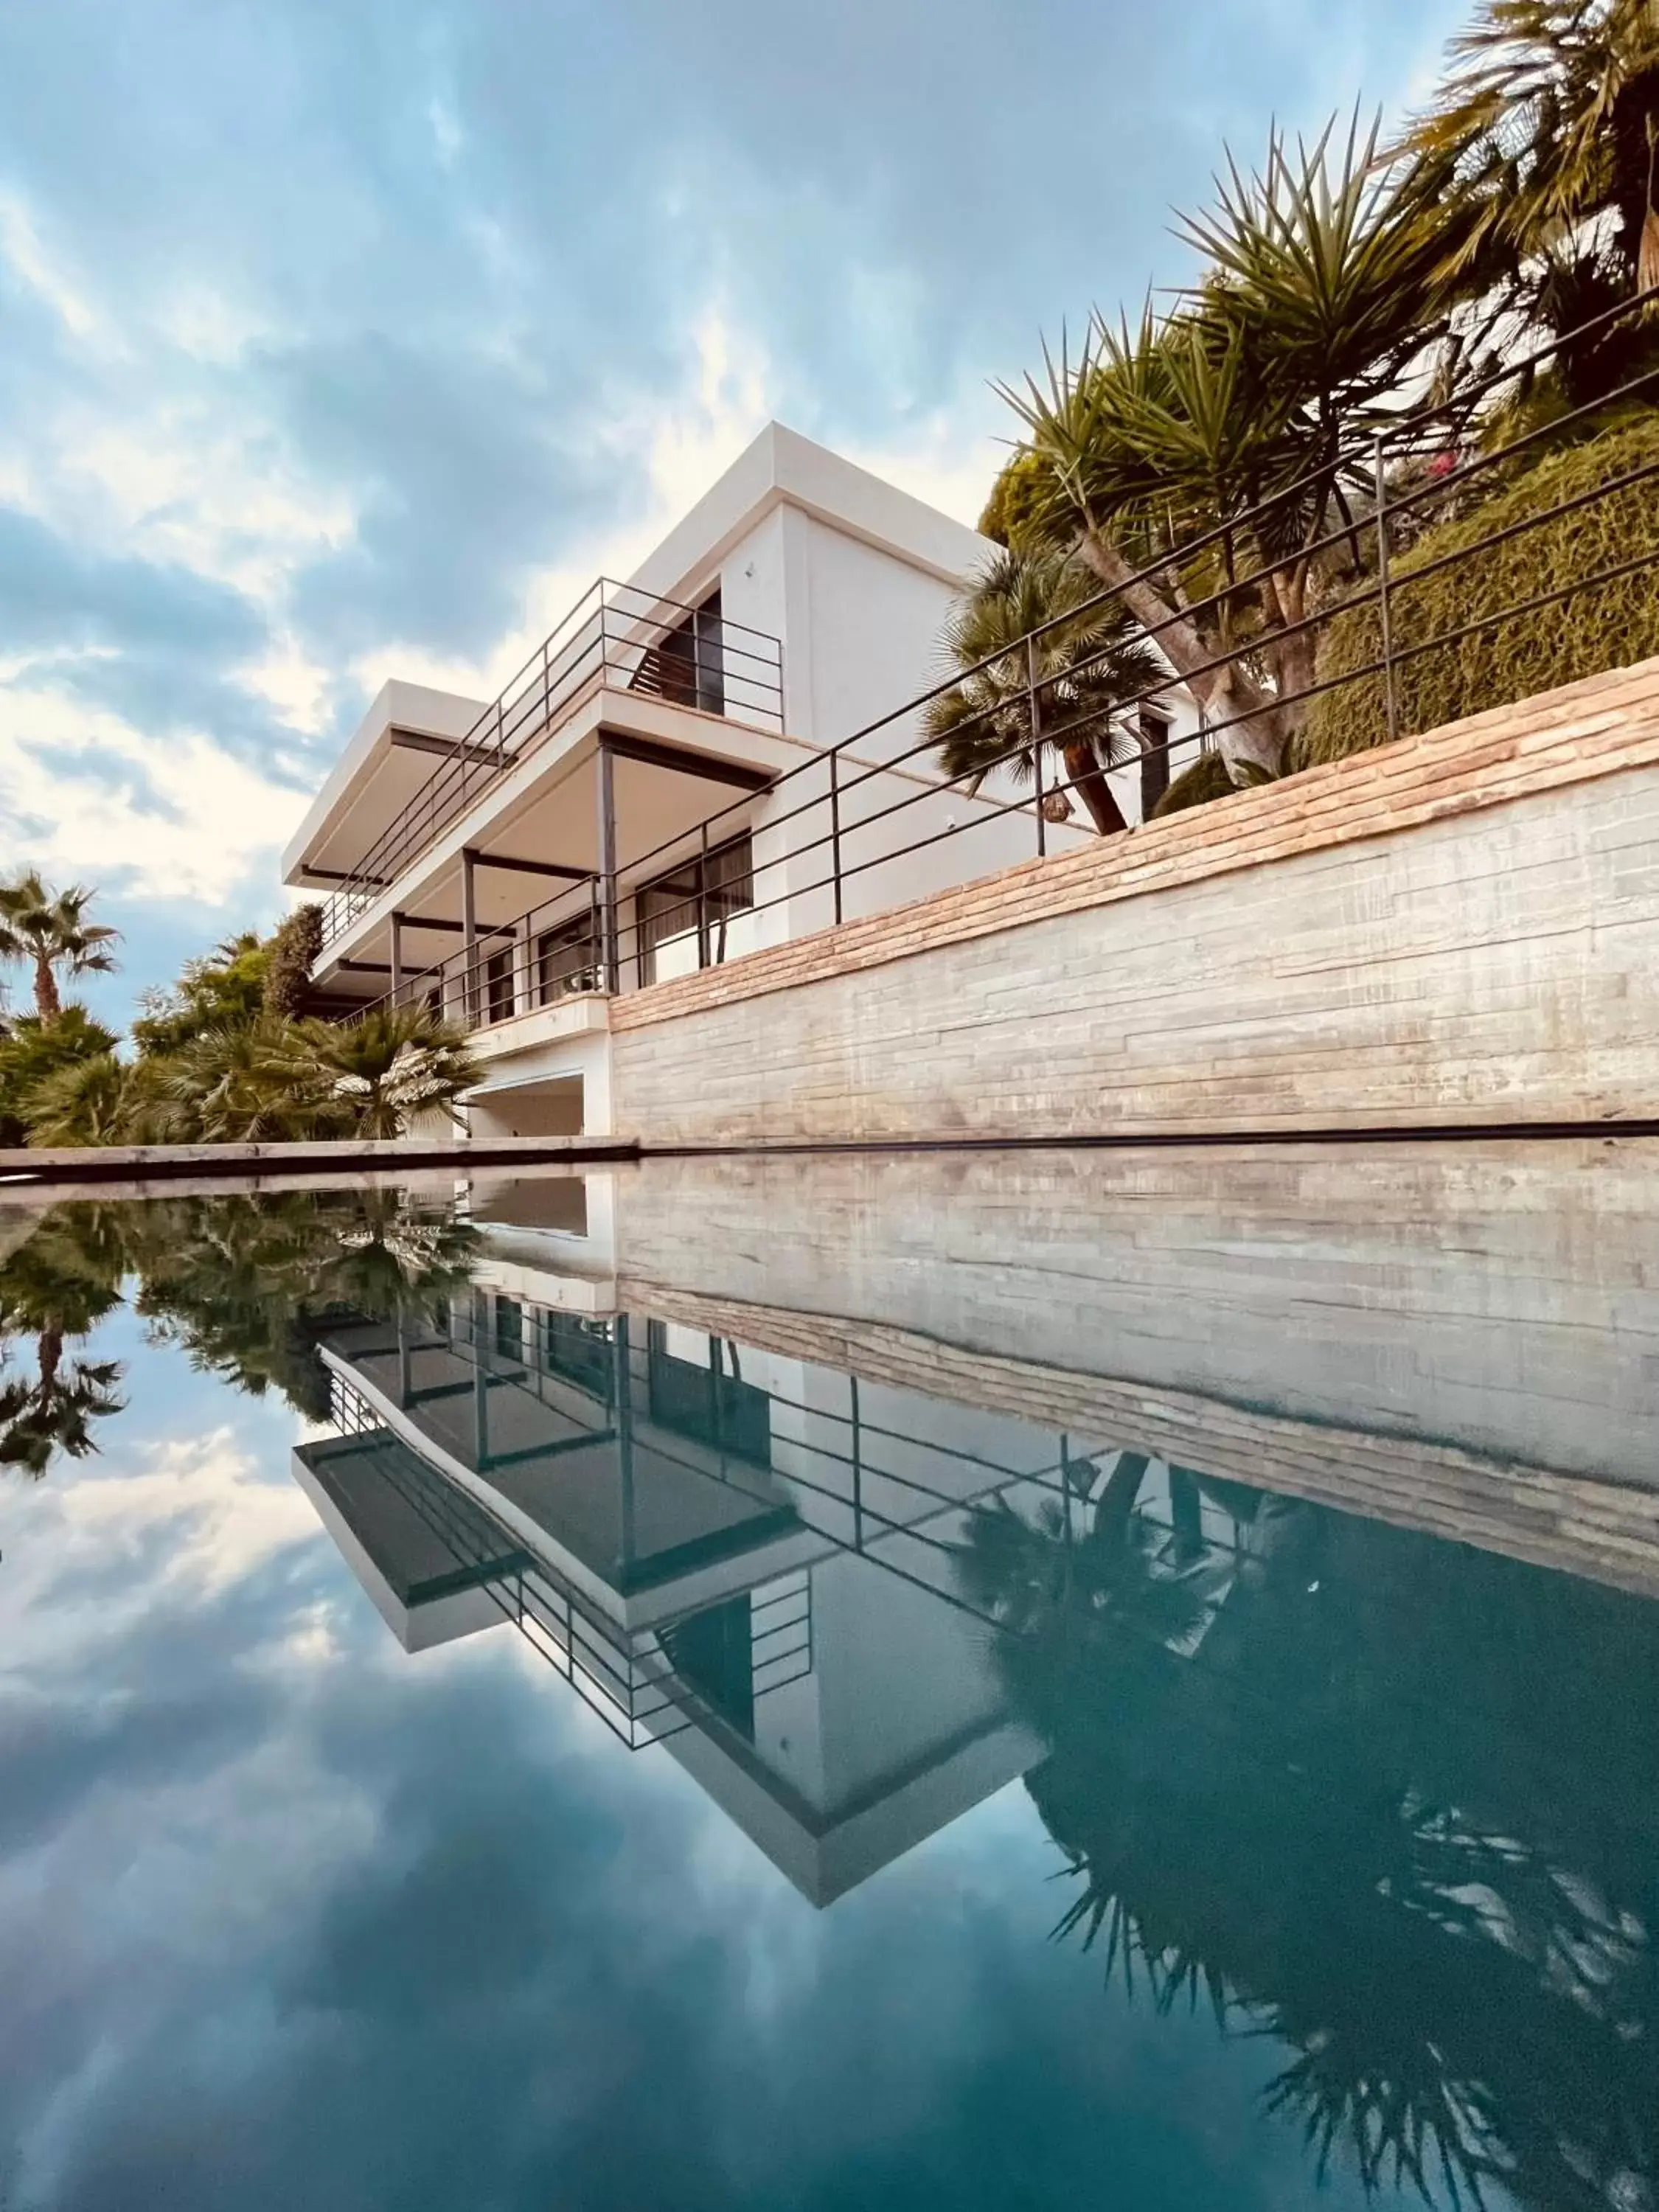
column 288, row 1918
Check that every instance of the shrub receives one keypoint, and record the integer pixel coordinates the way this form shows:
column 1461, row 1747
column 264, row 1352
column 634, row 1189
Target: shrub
column 294, row 946
column 1209, row 777
column 1598, row 627
column 35, row 1051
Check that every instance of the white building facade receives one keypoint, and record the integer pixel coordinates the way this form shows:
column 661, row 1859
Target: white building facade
column 712, row 758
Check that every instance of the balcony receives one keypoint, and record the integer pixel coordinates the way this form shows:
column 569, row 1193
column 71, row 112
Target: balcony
column 616, row 637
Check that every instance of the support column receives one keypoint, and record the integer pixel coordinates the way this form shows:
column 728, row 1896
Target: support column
column 396, row 958
column 608, row 966
column 470, row 996
column 480, row 1384
column 524, row 963
column 622, row 1387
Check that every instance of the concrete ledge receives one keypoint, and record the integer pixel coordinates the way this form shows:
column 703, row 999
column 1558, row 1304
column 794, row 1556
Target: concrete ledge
column 391, row 1156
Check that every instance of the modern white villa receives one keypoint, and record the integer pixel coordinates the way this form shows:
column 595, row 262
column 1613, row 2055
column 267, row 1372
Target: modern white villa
column 657, row 791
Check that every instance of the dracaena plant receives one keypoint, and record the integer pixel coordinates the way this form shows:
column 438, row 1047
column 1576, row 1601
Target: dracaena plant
column 1199, row 463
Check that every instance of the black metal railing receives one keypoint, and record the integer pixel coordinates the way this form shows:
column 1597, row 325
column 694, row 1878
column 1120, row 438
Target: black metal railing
column 627, row 1677
column 829, row 817
column 616, row 635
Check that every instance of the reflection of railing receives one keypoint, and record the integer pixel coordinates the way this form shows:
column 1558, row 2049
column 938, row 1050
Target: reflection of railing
column 629, row 1680
column 615, row 636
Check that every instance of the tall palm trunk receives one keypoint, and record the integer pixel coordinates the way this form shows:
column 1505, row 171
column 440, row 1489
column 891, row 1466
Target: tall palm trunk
column 47, row 1003
column 49, row 1350
column 1088, row 780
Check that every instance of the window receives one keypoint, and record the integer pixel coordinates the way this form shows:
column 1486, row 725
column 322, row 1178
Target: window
column 705, row 1403
column 687, row 665
column 498, row 984
column 580, row 1351
column 714, row 1651
column 696, row 900
column 1154, row 764
column 567, row 960
column 509, row 1329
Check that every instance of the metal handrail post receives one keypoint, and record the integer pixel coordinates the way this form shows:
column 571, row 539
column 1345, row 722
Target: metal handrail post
column 607, row 826
column 1390, row 704
column 1035, row 709
column 835, row 827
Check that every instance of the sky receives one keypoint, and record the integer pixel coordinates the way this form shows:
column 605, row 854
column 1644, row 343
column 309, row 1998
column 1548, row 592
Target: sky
column 290, row 1917
column 342, row 339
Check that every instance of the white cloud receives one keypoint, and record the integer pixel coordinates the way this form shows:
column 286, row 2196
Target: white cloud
column 218, row 819
column 21, row 249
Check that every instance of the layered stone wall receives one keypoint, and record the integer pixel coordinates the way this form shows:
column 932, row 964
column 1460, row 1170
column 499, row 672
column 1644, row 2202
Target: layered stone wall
column 1461, row 927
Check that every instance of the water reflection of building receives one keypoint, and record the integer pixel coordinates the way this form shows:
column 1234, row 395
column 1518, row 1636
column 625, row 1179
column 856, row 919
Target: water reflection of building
column 797, row 1574
column 751, row 1558
column 1385, row 1800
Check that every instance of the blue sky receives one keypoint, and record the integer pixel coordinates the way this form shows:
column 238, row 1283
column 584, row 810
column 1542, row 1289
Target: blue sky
column 346, row 338
column 288, row 1918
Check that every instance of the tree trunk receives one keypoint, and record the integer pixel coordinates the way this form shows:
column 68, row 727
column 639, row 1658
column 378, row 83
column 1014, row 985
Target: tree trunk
column 47, row 1003
column 1088, row 782
column 48, row 1350
column 1117, row 1501
column 1224, row 692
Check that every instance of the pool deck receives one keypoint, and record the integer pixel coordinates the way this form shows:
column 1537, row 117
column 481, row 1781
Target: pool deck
column 138, row 1167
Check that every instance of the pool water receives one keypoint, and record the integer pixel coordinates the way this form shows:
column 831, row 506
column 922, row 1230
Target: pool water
column 1022, row 1682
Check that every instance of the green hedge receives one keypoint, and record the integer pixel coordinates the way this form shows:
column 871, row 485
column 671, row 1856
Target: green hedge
column 1606, row 626
column 1206, row 779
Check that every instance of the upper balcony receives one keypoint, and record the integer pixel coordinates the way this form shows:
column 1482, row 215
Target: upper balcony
column 617, row 637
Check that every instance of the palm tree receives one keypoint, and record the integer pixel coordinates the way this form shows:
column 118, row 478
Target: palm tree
column 1348, row 1820
column 249, row 1082
column 1080, row 671
column 98, row 1101
column 54, row 1414
column 1551, row 116
column 57, row 1287
column 390, row 1064
column 1327, row 296
column 248, row 1287
column 50, row 930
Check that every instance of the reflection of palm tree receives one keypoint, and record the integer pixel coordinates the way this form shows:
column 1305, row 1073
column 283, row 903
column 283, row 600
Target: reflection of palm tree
column 1395, row 1810
column 1037, row 1576
column 248, row 1285
column 54, row 1414
column 56, row 1286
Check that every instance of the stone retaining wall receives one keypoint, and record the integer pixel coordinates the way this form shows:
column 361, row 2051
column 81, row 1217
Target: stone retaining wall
column 1460, row 927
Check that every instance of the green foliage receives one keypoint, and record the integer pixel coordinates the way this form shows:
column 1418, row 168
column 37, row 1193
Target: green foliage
column 1338, row 1813
column 98, row 1101
column 221, row 989
column 256, row 1081
column 1013, row 514
column 54, row 1289
column 1084, row 667
column 33, row 1052
column 295, row 947
column 387, row 1066
column 1593, row 627
column 1548, row 116
column 1209, row 777
column 48, row 931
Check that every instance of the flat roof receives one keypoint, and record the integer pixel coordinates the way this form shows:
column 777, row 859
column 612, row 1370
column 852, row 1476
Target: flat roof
column 780, row 467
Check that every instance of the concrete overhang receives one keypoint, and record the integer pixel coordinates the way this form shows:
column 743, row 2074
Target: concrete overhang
column 407, row 733
column 541, row 811
column 631, row 1611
